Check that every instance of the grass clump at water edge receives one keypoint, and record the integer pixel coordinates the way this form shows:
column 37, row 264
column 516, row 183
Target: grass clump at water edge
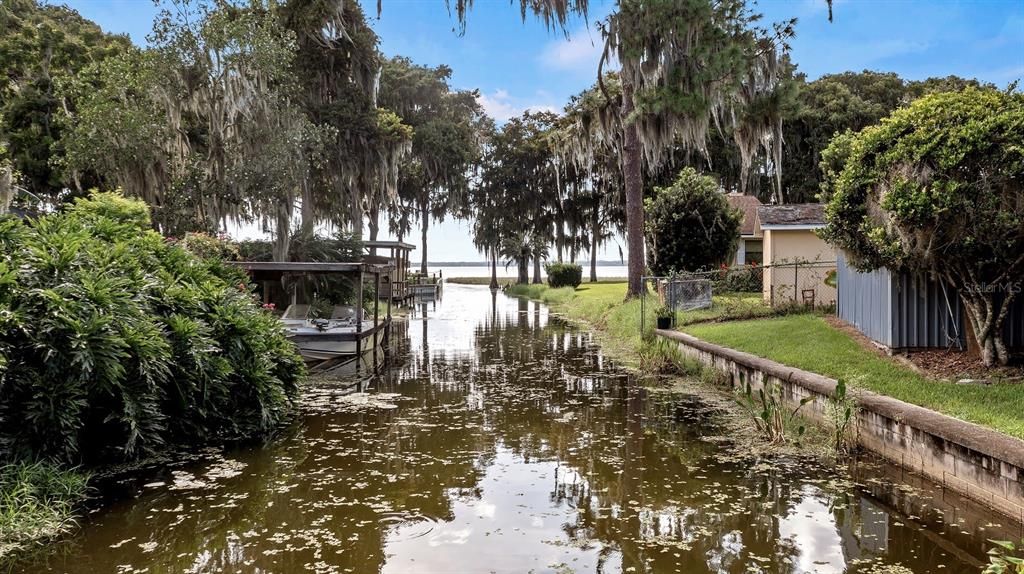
column 38, row 501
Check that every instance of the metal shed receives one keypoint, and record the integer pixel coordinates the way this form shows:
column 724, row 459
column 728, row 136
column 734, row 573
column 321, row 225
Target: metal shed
column 906, row 311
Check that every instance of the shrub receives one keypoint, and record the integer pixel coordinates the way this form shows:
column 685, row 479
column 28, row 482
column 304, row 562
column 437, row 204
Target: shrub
column 564, row 274
column 206, row 246
column 690, row 225
column 748, row 279
column 936, row 188
column 119, row 343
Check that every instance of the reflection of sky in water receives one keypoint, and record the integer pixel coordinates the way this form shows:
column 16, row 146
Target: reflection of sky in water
column 810, row 526
column 512, row 527
column 504, row 441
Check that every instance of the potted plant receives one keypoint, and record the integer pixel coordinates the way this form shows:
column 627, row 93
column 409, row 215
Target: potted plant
column 665, row 317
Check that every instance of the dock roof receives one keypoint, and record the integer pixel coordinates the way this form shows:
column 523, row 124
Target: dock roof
column 353, row 267
column 389, row 244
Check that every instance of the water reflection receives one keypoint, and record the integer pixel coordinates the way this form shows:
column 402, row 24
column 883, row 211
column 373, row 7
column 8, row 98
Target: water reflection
column 510, row 444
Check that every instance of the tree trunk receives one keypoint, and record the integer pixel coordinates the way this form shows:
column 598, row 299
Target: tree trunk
column 282, row 233
column 357, row 218
column 308, row 225
column 987, row 315
column 524, row 270
column 536, row 270
column 494, row 267
column 559, row 239
column 424, row 223
column 373, row 222
column 634, row 188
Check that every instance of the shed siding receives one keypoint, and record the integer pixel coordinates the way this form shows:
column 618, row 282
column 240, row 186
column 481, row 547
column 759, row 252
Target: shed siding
column 900, row 311
column 930, row 316
column 865, row 301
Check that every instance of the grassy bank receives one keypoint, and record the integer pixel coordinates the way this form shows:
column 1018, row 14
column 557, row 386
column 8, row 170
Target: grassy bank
column 476, row 280
column 37, row 503
column 808, row 342
column 601, row 305
column 802, row 340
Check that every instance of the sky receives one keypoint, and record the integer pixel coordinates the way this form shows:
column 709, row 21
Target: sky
column 519, row 65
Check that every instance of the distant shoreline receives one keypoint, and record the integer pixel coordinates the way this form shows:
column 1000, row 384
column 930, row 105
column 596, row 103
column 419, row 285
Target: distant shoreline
column 487, row 263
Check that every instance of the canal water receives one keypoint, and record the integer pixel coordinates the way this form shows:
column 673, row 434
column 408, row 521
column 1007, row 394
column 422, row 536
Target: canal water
column 502, row 440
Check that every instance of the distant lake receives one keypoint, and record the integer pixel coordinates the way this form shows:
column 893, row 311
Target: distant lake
column 603, row 271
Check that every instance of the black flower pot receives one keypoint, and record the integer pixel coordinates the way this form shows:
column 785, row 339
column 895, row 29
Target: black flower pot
column 664, row 322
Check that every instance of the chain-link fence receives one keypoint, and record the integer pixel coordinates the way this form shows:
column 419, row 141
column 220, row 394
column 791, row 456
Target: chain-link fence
column 742, row 292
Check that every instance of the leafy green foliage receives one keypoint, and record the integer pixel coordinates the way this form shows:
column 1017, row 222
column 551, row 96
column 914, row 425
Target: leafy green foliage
column 746, row 279
column 936, row 188
column 1005, row 558
column 841, row 408
column 769, row 412
column 41, row 46
column 119, row 343
column 37, row 502
column 690, row 225
column 564, row 275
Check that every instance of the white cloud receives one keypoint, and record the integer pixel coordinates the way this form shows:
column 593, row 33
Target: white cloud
column 502, row 106
column 580, row 52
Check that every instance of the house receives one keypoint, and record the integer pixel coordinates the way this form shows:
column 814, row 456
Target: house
column 798, row 265
column 748, row 249
column 903, row 310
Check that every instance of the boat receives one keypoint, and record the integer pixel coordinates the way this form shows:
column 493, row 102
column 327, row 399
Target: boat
column 321, row 338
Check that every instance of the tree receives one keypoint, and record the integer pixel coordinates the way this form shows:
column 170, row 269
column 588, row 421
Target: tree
column 690, row 225
column 201, row 125
column 937, row 188
column 518, row 190
column 41, row 46
column 590, row 166
column 835, row 103
column 336, row 67
column 686, row 65
column 447, row 126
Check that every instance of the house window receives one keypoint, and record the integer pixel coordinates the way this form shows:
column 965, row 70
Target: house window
column 754, row 253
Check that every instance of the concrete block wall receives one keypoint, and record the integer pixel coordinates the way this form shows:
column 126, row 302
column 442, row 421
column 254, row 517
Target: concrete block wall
column 981, row 464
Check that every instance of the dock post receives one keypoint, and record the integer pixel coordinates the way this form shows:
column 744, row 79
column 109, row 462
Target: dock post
column 376, row 312
column 359, row 318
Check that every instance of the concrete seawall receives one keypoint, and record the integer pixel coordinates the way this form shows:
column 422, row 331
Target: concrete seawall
column 974, row 461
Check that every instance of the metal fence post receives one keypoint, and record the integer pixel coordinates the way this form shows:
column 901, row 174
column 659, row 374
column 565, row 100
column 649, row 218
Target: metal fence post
column 643, row 301
column 796, row 279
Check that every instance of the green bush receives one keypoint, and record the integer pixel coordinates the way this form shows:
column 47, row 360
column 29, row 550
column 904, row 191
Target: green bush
column 748, row 279
column 118, row 343
column 690, row 225
column 564, row 274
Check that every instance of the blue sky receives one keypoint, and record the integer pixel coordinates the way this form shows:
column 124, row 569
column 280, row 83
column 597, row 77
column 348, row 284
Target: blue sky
column 520, row 65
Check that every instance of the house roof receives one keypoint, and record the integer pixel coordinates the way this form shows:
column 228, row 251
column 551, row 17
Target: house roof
column 794, row 215
column 747, row 204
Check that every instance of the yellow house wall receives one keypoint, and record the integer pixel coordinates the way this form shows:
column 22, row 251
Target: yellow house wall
column 799, row 245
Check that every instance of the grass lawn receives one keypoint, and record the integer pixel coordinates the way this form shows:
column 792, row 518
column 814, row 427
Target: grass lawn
column 808, row 342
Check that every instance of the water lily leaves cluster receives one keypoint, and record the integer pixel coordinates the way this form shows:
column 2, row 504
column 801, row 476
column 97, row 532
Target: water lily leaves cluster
column 938, row 187
column 118, row 343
